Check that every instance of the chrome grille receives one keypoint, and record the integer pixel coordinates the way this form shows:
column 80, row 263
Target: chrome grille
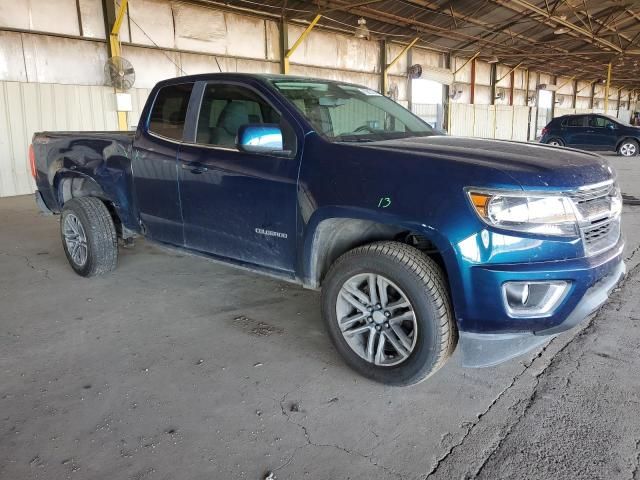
column 599, row 229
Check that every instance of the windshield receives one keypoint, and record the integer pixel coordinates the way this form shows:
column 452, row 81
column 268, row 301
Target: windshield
column 348, row 113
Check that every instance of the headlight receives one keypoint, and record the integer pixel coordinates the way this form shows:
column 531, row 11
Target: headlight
column 535, row 213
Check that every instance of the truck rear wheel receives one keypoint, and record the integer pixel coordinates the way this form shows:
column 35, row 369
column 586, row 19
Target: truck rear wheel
column 387, row 309
column 88, row 236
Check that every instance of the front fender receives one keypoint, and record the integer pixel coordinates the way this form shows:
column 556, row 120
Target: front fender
column 339, row 228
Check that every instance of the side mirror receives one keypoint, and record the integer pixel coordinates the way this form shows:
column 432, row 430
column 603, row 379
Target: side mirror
column 259, row 138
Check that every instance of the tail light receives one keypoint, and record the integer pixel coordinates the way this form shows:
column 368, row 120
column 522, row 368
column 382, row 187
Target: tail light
column 32, row 161
column 545, row 130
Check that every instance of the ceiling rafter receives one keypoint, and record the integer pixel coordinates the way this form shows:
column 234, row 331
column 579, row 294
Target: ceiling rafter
column 586, row 36
column 599, row 31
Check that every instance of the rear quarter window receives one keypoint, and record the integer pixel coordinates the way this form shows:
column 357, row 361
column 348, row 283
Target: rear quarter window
column 169, row 111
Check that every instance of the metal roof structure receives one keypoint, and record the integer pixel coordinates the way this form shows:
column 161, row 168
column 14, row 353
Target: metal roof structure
column 576, row 38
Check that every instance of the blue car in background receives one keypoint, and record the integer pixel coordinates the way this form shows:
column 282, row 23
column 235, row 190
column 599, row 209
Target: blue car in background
column 593, row 132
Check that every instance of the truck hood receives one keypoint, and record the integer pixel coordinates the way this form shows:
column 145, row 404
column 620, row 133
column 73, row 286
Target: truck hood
column 529, row 164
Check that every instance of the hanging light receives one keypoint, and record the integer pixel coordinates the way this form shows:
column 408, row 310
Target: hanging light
column 361, row 30
column 562, row 30
column 493, row 59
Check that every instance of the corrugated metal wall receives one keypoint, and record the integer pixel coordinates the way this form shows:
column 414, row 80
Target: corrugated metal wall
column 26, row 108
column 491, row 121
column 52, row 82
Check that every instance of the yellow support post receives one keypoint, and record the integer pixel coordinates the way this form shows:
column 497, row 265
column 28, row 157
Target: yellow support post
column 285, row 60
column 606, row 89
column 114, row 43
column 114, row 36
column 385, row 75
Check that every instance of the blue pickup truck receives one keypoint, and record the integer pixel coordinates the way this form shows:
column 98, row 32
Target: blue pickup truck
column 419, row 242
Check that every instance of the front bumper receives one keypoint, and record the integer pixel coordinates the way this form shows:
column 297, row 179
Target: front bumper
column 485, row 350
column 489, row 335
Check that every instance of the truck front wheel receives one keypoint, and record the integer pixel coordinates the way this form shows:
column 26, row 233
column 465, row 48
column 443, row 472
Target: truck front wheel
column 88, row 236
column 388, row 313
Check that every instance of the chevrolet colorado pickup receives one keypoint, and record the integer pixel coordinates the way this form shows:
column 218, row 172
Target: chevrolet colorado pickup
column 419, row 242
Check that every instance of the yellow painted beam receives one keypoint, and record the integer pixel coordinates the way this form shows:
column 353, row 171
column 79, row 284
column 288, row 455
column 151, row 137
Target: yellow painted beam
column 588, row 85
column 114, row 36
column 114, row 43
column 122, row 121
column 606, row 89
column 566, row 83
column 385, row 74
column 285, row 60
column 115, row 30
column 508, row 73
column 467, row 62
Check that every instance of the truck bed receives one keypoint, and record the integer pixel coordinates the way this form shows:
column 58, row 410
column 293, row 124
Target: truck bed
column 72, row 160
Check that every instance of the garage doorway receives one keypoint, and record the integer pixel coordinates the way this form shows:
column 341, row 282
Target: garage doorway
column 426, row 101
column 545, row 110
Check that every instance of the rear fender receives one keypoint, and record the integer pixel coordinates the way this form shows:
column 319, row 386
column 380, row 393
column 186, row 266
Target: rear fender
column 69, row 184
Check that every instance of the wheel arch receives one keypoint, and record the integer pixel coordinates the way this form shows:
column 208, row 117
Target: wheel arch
column 627, row 137
column 558, row 138
column 68, row 185
column 329, row 236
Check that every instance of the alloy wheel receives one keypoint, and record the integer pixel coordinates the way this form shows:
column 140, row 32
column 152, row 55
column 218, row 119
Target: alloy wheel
column 628, row 150
column 75, row 239
column 376, row 319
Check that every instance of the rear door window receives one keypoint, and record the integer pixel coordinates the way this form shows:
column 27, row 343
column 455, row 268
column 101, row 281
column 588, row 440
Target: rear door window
column 170, row 111
column 575, row 121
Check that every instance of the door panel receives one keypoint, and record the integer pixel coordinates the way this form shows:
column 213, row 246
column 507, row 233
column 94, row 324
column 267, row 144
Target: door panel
column 239, row 205
column 235, row 204
column 156, row 184
column 574, row 131
column 154, row 165
column 600, row 133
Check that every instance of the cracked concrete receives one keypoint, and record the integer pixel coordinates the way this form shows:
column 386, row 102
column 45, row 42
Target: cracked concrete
column 174, row 367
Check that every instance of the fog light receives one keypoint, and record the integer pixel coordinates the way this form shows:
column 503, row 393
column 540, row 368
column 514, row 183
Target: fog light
column 533, row 299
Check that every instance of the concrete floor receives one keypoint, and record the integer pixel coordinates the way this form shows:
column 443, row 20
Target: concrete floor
column 173, row 367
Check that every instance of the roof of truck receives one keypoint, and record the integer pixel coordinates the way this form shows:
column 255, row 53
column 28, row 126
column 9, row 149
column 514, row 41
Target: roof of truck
column 246, row 76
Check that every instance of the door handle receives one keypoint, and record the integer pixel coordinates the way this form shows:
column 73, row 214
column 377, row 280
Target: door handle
column 194, row 167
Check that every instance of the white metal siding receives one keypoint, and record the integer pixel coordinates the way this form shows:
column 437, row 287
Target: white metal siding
column 26, row 108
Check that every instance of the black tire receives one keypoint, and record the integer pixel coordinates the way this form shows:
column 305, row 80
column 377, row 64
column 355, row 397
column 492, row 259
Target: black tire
column 100, row 233
column 557, row 142
column 630, row 145
column 424, row 285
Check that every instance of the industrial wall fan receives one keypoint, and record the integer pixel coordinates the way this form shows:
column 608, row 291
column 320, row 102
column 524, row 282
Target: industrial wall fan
column 414, row 71
column 455, row 91
column 119, row 73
